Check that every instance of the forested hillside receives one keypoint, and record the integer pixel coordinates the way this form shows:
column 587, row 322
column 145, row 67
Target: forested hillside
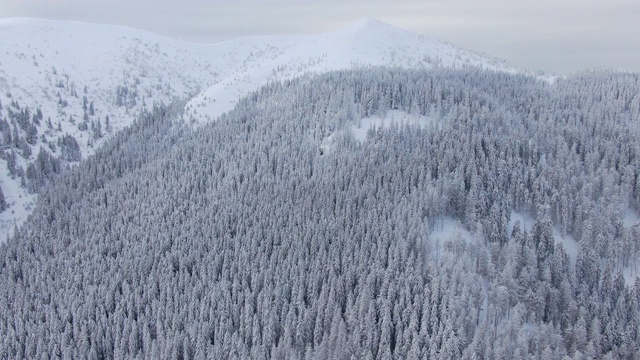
column 274, row 232
column 66, row 87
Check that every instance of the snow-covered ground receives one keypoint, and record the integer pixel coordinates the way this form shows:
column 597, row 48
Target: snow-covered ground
column 447, row 230
column 392, row 117
column 360, row 128
column 631, row 219
column 366, row 42
column 54, row 65
column 572, row 246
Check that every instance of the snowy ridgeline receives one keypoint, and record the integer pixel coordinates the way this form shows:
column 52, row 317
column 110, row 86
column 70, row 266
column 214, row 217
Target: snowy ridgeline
column 280, row 232
column 70, row 85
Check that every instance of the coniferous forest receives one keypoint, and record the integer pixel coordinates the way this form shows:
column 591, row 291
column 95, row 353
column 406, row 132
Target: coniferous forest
column 273, row 232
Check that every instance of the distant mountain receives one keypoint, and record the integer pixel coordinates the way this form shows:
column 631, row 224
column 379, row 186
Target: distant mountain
column 74, row 76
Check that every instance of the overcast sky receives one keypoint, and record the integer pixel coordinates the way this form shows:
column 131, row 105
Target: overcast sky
column 554, row 35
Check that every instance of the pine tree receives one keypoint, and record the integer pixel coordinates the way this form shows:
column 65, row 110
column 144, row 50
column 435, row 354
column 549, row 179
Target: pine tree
column 3, row 202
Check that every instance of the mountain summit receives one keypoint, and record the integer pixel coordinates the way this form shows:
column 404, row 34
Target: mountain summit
column 368, row 22
column 366, row 42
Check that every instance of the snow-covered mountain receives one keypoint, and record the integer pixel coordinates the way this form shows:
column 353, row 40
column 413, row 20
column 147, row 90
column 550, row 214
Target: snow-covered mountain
column 88, row 81
column 367, row 42
column 76, row 75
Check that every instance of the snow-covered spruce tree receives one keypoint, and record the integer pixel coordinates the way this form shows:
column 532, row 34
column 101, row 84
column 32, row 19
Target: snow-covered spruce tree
column 3, row 201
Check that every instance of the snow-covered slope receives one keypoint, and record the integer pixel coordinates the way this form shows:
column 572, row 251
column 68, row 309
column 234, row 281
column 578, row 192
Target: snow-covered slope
column 54, row 66
column 367, row 42
column 77, row 75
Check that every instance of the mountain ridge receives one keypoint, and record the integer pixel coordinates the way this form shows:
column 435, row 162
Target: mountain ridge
column 90, row 80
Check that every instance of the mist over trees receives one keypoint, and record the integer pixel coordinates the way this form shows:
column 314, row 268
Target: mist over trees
column 274, row 233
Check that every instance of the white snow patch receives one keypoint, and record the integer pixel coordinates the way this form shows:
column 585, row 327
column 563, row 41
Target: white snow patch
column 571, row 245
column 526, row 221
column 630, row 218
column 447, row 229
column 632, row 271
column 392, row 117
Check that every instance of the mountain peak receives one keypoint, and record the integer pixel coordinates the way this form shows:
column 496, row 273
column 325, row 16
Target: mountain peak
column 370, row 21
column 367, row 23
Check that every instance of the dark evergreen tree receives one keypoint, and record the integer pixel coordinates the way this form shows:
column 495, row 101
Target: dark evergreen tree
column 69, row 148
column 3, row 201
